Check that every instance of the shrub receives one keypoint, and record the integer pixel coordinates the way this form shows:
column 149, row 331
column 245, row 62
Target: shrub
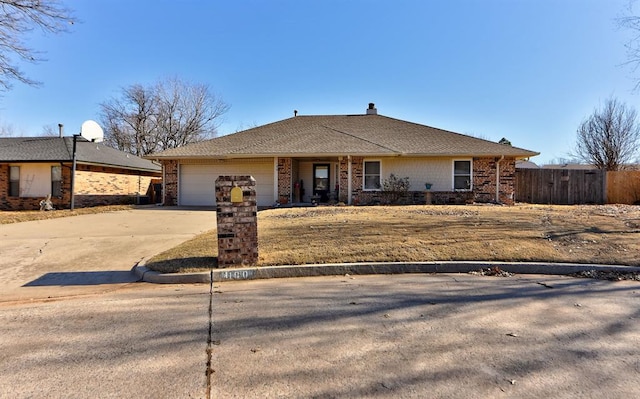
column 395, row 188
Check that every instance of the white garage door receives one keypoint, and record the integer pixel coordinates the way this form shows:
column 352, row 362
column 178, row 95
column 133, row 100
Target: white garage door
column 197, row 183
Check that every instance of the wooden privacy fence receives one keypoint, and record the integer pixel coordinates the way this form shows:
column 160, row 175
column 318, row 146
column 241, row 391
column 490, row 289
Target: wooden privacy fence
column 561, row 186
column 623, row 187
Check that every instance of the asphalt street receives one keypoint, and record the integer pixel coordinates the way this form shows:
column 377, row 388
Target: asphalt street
column 396, row 336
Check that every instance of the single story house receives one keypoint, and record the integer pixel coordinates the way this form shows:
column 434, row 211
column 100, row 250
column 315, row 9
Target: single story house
column 343, row 158
column 31, row 168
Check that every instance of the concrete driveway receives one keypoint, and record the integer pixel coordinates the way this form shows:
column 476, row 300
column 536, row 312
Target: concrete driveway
column 89, row 253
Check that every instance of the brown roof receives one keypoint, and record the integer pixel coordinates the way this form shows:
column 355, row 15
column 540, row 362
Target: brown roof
column 335, row 135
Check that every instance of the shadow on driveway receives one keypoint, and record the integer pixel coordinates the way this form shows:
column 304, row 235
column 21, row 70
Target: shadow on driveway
column 83, row 278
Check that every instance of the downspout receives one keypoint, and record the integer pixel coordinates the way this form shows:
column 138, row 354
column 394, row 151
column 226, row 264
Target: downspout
column 498, row 179
column 349, row 185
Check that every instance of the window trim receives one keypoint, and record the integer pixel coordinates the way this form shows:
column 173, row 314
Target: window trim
column 14, row 181
column 454, row 175
column 364, row 175
column 59, row 192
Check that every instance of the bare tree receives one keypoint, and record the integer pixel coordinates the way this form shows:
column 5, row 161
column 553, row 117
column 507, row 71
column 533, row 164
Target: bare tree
column 609, row 138
column 129, row 121
column 168, row 114
column 6, row 130
column 18, row 18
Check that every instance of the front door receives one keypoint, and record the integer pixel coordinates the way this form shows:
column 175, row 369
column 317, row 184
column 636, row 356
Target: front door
column 321, row 182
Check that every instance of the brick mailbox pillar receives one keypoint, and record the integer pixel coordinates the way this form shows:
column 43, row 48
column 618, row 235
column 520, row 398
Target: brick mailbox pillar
column 237, row 215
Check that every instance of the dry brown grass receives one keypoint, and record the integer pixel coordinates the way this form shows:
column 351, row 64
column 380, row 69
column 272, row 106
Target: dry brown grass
column 608, row 234
column 7, row 217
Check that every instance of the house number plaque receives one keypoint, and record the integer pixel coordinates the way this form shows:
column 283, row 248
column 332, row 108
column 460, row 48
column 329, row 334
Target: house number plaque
column 236, row 195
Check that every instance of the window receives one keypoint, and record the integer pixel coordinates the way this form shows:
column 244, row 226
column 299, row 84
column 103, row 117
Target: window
column 56, row 181
column 14, row 181
column 462, row 175
column 372, row 175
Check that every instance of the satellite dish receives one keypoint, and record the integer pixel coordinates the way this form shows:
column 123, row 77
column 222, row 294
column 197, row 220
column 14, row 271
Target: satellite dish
column 91, row 131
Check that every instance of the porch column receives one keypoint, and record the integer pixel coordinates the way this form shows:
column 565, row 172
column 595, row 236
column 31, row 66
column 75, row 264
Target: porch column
column 350, row 193
column 344, row 175
column 284, row 179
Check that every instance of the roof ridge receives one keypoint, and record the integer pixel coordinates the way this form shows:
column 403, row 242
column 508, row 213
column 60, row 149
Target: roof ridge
column 253, row 144
column 360, row 138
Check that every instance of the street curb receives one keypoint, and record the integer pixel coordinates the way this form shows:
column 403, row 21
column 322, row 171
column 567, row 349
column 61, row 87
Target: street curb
column 337, row 269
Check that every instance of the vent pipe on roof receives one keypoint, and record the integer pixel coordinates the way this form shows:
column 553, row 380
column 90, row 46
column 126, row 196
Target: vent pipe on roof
column 295, row 112
column 372, row 109
column 60, row 129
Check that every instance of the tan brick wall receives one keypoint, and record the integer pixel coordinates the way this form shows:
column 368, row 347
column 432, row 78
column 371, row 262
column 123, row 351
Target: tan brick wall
column 103, row 183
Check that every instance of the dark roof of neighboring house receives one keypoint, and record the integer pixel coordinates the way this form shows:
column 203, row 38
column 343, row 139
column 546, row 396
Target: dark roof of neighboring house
column 60, row 149
column 335, row 135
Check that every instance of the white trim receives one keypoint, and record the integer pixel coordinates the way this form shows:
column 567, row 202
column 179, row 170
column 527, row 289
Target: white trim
column 453, row 174
column 364, row 176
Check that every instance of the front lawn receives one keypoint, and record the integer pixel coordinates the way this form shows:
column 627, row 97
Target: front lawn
column 606, row 234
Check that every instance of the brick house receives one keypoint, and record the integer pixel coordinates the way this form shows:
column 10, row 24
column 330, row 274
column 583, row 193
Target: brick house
column 344, row 158
column 33, row 167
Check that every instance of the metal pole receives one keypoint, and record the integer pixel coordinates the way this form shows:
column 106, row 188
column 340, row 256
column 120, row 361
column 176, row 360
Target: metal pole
column 73, row 172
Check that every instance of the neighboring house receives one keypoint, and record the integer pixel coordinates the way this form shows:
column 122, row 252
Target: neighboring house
column 343, row 158
column 525, row 164
column 570, row 166
column 33, row 167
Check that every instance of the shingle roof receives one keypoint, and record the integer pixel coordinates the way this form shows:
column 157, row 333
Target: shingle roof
column 60, row 149
column 333, row 135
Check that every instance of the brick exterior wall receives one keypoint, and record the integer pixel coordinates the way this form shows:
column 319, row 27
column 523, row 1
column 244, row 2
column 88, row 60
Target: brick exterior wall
column 237, row 222
column 357, row 180
column 284, row 179
column 344, row 180
column 33, row 203
column 508, row 181
column 484, row 183
column 94, row 185
column 484, row 186
column 170, row 177
column 484, row 180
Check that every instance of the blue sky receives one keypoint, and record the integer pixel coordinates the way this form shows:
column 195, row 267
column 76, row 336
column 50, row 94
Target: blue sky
column 527, row 70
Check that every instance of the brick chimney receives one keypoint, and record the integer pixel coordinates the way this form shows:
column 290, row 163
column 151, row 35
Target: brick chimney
column 372, row 109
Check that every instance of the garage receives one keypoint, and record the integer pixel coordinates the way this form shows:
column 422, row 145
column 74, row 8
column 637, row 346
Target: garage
column 197, row 182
